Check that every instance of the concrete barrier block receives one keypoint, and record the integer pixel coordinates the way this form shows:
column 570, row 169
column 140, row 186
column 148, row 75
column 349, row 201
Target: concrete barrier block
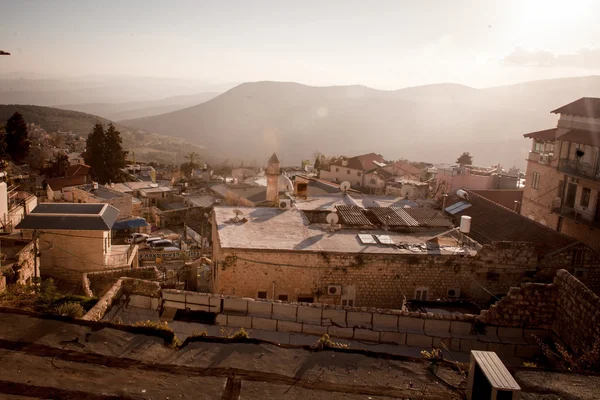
column 468, row 345
column 337, row 332
column 173, row 296
column 385, row 322
column 437, row 328
column 288, row 326
column 265, row 324
column 198, row 298
column 174, row 304
column 215, row 302
column 140, row 301
column 393, row 337
column 154, row 302
column 527, row 351
column 311, row 315
column 490, row 335
column 366, row 334
column 334, row 317
column 235, row 306
column 416, row 340
column 411, row 325
column 260, row 309
column 221, row 319
column 198, row 307
column 506, row 350
column 357, row 319
column 442, row 343
column 511, row 335
column 455, row 344
column 310, row 329
column 462, row 330
column 284, row 312
column 239, row 321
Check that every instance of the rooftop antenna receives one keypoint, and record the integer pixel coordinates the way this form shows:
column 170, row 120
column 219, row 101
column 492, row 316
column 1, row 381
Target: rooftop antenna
column 344, row 186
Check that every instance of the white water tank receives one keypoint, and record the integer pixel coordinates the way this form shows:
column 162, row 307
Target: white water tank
column 465, row 224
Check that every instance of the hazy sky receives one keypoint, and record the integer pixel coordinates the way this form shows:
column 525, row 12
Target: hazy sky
column 383, row 44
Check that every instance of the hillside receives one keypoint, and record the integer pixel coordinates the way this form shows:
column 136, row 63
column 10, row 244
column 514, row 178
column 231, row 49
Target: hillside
column 431, row 123
column 139, row 109
column 53, row 119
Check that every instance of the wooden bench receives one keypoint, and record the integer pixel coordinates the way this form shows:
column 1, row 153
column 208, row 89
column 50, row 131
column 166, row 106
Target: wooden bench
column 489, row 379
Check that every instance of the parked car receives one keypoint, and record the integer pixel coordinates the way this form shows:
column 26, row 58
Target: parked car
column 153, row 239
column 171, row 249
column 136, row 238
column 162, row 243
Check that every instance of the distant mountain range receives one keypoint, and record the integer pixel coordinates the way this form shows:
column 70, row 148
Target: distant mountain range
column 139, row 109
column 53, row 119
column 432, row 123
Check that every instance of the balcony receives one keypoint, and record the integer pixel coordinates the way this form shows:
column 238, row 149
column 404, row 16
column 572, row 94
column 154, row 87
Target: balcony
column 542, row 158
column 579, row 169
column 577, row 216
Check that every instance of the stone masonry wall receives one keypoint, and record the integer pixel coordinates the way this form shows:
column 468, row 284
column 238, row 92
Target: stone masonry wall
column 530, row 305
column 577, row 320
column 380, row 280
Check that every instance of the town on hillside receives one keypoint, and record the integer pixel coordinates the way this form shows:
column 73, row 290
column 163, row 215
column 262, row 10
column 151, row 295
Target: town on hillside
column 478, row 270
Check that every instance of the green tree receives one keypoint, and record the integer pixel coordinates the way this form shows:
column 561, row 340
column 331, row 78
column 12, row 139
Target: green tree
column 465, row 159
column 17, row 141
column 188, row 167
column 104, row 154
column 58, row 167
column 114, row 155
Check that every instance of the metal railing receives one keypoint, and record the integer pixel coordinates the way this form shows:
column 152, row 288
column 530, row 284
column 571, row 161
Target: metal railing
column 577, row 168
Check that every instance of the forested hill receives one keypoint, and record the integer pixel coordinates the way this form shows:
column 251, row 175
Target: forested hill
column 54, row 119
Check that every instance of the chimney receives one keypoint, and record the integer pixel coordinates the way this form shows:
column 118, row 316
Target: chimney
column 517, row 207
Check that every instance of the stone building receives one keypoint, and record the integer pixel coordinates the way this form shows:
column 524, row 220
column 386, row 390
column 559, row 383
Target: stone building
column 492, row 222
column 76, row 238
column 563, row 173
column 18, row 265
column 94, row 193
column 276, row 254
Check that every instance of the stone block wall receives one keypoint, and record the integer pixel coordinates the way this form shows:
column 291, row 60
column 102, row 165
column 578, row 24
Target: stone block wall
column 532, row 305
column 97, row 283
column 458, row 332
column 380, row 280
column 577, row 320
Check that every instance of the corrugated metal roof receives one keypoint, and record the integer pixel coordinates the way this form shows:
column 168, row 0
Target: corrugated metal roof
column 352, row 215
column 428, row 217
column 393, row 216
column 130, row 224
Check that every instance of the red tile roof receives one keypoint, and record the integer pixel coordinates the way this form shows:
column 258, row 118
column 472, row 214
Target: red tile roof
column 547, row 134
column 362, row 163
column 493, row 223
column 584, row 107
column 60, row 183
column 78, row 170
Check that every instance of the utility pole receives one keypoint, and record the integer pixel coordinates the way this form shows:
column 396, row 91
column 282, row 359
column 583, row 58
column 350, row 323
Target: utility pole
column 35, row 259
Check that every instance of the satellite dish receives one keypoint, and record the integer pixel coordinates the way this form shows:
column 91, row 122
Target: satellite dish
column 332, row 218
column 407, row 191
column 345, row 186
column 369, row 203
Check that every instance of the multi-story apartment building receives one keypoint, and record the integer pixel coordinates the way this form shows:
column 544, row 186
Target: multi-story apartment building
column 563, row 173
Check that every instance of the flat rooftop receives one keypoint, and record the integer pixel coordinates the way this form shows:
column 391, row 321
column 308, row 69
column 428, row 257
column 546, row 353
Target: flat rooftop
column 289, row 230
column 101, row 192
column 328, row 202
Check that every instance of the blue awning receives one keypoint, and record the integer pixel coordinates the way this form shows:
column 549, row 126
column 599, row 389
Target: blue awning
column 129, row 224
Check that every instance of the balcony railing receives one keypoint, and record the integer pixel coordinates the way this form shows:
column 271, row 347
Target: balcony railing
column 577, row 216
column 577, row 168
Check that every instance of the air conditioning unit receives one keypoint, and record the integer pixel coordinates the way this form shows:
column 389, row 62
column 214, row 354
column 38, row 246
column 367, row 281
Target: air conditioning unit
column 453, row 293
column 334, row 290
column 285, row 204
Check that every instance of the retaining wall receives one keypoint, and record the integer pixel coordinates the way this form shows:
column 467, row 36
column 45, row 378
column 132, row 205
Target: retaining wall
column 460, row 332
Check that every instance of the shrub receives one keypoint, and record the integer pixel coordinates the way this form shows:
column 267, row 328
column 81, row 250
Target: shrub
column 326, row 343
column 434, row 355
column 587, row 361
column 73, row 310
column 199, row 334
column 241, row 334
column 158, row 325
column 175, row 342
